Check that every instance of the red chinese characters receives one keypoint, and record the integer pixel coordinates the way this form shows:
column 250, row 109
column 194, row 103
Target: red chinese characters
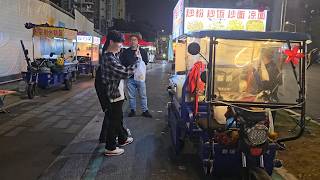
column 261, row 15
column 241, row 14
column 252, row 15
column 232, row 13
column 199, row 13
column 211, row 13
column 190, row 13
column 220, row 13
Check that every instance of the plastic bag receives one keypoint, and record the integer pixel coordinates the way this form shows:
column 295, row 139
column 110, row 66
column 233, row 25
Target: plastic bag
column 140, row 72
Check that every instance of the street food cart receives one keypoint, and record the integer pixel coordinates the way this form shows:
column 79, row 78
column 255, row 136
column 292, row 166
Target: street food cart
column 227, row 92
column 52, row 62
column 87, row 54
column 230, row 97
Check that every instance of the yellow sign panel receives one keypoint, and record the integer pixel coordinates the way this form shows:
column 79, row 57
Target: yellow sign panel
column 54, row 32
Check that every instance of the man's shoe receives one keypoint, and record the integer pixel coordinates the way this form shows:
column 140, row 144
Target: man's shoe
column 132, row 113
column 128, row 141
column 115, row 152
column 147, row 114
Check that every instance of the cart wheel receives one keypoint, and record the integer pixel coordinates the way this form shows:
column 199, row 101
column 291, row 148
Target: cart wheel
column 68, row 84
column 93, row 72
column 31, row 90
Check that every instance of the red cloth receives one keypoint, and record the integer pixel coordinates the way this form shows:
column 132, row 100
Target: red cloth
column 195, row 84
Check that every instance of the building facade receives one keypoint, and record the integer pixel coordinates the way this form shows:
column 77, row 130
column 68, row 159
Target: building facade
column 100, row 12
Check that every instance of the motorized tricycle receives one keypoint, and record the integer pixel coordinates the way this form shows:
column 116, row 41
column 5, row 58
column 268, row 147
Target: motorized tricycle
column 47, row 69
column 238, row 87
column 85, row 66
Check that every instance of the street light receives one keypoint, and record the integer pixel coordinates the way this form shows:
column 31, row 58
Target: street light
column 294, row 25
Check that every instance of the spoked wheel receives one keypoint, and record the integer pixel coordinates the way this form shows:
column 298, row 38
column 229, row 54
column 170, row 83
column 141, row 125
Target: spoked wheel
column 68, row 84
column 31, row 90
column 256, row 174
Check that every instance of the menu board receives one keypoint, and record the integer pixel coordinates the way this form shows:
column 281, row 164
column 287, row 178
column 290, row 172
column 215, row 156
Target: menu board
column 197, row 19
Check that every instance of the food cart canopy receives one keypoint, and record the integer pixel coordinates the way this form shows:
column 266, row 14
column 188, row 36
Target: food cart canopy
column 248, row 35
column 141, row 41
column 55, row 32
column 127, row 40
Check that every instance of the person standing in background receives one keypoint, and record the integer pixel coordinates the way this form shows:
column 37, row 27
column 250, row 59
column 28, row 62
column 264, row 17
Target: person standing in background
column 129, row 56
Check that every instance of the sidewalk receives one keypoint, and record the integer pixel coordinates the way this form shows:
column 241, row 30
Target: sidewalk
column 35, row 132
column 149, row 157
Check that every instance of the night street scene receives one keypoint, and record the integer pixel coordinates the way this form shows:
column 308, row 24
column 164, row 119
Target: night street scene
column 159, row 89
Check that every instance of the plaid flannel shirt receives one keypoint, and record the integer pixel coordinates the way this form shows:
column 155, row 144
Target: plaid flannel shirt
column 112, row 72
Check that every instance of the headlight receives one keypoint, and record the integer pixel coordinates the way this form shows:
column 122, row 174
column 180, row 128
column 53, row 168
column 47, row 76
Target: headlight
column 258, row 134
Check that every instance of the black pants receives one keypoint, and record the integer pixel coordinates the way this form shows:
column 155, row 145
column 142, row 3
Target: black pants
column 115, row 128
column 105, row 106
column 103, row 133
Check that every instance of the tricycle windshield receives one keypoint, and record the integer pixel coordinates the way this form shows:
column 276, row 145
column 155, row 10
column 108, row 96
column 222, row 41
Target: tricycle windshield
column 254, row 71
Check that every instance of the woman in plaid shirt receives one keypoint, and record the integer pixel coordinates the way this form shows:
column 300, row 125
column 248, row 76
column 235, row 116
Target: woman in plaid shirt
column 110, row 89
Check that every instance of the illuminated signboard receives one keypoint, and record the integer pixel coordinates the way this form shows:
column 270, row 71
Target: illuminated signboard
column 54, row 32
column 177, row 28
column 84, row 39
column 197, row 19
column 50, row 32
column 96, row 40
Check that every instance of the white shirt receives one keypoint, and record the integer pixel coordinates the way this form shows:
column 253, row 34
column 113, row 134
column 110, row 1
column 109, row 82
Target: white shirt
column 121, row 90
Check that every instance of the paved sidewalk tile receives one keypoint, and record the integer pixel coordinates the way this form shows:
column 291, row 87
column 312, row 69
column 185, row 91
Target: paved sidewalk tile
column 53, row 119
column 89, row 113
column 44, row 115
column 73, row 128
column 5, row 129
column 41, row 126
column 15, row 131
column 62, row 112
column 62, row 124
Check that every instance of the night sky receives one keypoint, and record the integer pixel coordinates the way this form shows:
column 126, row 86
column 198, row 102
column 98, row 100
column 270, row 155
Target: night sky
column 156, row 12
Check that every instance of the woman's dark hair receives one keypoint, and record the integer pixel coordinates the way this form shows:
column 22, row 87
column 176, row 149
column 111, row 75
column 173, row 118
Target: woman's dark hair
column 114, row 36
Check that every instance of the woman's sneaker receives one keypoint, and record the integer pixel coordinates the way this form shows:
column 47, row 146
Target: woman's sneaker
column 128, row 141
column 115, row 152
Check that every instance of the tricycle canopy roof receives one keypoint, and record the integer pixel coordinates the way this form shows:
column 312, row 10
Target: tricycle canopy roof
column 249, row 35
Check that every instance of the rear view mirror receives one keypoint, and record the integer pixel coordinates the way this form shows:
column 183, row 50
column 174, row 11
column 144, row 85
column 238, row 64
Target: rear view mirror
column 194, row 48
column 26, row 52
